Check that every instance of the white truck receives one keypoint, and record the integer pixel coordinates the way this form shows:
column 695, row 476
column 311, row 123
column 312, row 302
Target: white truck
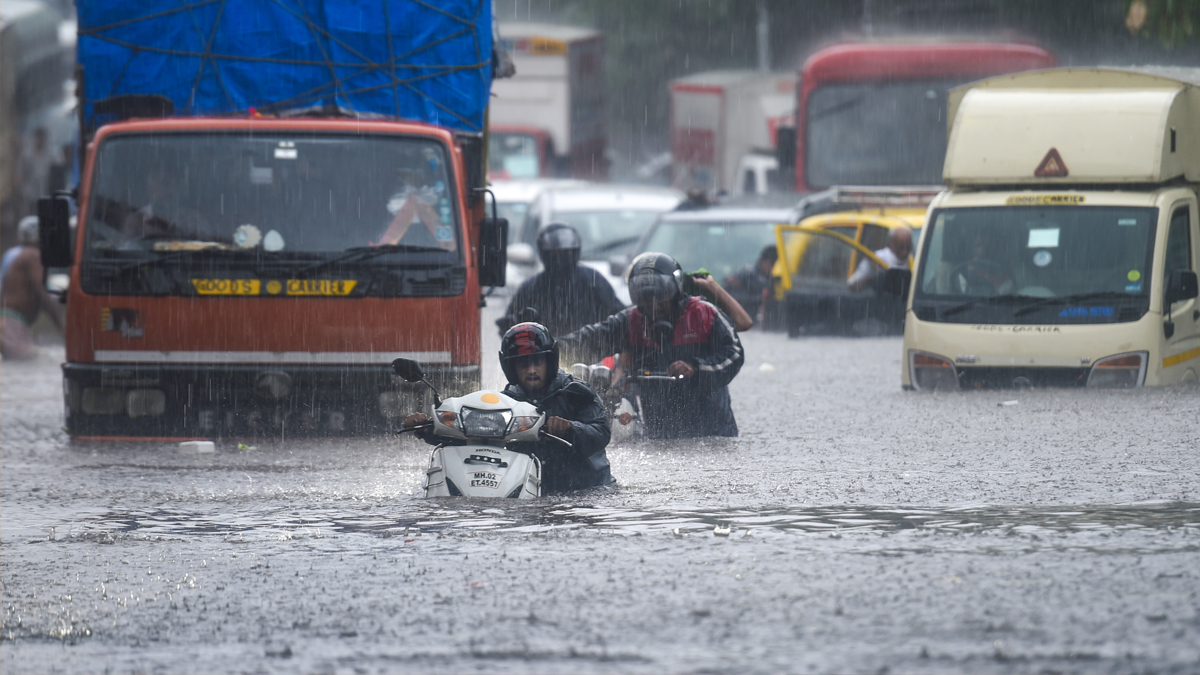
column 1065, row 249
column 723, row 127
column 548, row 119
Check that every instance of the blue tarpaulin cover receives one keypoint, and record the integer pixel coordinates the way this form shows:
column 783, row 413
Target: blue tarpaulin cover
column 425, row 61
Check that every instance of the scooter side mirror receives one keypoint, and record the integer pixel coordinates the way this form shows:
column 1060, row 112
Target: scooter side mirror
column 408, row 369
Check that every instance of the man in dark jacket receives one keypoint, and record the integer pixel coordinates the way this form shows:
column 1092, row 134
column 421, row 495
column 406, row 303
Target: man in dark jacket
column 566, row 295
column 671, row 332
column 529, row 359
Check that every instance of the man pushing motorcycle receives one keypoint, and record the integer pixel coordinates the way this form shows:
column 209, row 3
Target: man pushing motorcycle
column 529, row 359
column 671, row 332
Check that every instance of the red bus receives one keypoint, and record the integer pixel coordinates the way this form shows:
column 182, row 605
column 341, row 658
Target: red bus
column 874, row 113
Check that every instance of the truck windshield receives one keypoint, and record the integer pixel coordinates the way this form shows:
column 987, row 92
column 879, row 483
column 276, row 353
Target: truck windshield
column 877, row 133
column 1036, row 264
column 291, row 196
column 512, row 155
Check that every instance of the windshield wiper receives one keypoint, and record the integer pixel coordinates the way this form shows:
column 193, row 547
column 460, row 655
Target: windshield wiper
column 982, row 300
column 1068, row 299
column 171, row 256
column 359, row 254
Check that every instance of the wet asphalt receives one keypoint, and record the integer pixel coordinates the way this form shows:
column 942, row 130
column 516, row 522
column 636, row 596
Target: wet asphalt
column 852, row 527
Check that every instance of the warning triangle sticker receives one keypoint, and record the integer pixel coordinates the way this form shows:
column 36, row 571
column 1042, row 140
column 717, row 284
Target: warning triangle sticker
column 1052, row 166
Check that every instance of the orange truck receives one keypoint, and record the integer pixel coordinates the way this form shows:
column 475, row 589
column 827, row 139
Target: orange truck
column 264, row 225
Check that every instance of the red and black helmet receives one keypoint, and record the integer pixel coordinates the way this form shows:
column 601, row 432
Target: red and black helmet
column 527, row 339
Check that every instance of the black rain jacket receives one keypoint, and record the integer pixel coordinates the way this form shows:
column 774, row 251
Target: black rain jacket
column 585, row 463
column 564, row 301
column 704, row 337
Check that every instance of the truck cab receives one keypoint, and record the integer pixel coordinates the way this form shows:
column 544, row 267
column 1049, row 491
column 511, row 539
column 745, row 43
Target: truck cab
column 1065, row 250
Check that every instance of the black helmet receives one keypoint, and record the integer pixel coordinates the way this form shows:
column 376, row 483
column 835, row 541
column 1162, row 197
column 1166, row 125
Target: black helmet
column 527, row 339
column 654, row 277
column 558, row 246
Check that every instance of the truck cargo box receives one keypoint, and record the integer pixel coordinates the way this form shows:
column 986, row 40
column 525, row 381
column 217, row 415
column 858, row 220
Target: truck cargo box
column 1075, row 126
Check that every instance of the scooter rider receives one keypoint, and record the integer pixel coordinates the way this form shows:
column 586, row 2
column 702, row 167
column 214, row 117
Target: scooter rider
column 673, row 332
column 529, row 359
column 565, row 294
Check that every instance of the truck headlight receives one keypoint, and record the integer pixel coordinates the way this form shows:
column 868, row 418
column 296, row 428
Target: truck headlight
column 485, row 423
column 146, row 402
column 103, row 401
column 1120, row 370
column 932, row 372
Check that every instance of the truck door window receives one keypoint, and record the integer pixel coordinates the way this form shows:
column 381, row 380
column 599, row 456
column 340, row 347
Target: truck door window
column 1179, row 243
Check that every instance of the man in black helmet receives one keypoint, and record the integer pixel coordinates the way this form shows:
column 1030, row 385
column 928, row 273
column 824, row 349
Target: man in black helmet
column 566, row 295
column 669, row 331
column 529, row 359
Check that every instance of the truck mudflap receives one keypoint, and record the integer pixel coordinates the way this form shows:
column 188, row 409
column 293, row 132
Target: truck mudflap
column 110, row 401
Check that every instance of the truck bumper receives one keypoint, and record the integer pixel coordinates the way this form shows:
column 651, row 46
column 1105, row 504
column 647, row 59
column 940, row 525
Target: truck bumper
column 106, row 401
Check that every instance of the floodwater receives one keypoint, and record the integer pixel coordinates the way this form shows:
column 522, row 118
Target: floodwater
column 852, row 527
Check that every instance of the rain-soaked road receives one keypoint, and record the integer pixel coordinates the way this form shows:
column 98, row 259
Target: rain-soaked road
column 869, row 530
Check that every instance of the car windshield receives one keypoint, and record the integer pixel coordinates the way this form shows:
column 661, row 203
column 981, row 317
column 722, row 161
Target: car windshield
column 604, row 234
column 721, row 247
column 1042, row 262
column 287, row 194
column 877, row 133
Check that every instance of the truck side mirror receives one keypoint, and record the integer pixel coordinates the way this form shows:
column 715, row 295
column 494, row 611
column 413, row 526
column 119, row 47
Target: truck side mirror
column 895, row 282
column 1181, row 285
column 493, row 251
column 54, row 231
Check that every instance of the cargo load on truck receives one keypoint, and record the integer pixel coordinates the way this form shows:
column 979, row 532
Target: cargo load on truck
column 1065, row 251
column 278, row 200
column 548, row 120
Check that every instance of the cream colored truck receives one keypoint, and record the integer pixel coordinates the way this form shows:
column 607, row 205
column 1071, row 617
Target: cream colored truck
column 1065, row 249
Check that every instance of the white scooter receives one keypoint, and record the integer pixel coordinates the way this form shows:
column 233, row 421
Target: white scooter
column 474, row 458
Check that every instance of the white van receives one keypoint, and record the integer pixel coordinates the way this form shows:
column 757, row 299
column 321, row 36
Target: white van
column 1065, row 250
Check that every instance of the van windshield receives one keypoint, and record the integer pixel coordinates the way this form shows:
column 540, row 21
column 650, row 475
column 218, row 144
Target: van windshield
column 1036, row 264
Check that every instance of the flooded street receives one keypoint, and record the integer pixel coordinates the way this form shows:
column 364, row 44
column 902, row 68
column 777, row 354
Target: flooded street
column 852, row 527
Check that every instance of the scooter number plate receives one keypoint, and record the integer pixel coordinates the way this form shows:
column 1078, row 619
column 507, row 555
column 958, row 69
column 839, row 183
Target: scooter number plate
column 485, row 479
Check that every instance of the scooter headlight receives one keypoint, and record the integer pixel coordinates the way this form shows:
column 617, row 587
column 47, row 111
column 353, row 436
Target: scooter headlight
column 522, row 423
column 485, row 423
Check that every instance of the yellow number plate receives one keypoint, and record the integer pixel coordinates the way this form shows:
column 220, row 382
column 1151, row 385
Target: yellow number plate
column 227, row 286
column 320, row 286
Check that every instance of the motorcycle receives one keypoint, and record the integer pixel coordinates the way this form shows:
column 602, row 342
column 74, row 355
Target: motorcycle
column 475, row 457
column 621, row 398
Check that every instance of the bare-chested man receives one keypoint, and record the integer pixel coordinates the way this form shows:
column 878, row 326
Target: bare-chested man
column 22, row 293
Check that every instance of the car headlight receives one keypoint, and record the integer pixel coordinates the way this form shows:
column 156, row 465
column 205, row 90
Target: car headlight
column 932, row 372
column 522, row 423
column 485, row 423
column 1120, row 370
